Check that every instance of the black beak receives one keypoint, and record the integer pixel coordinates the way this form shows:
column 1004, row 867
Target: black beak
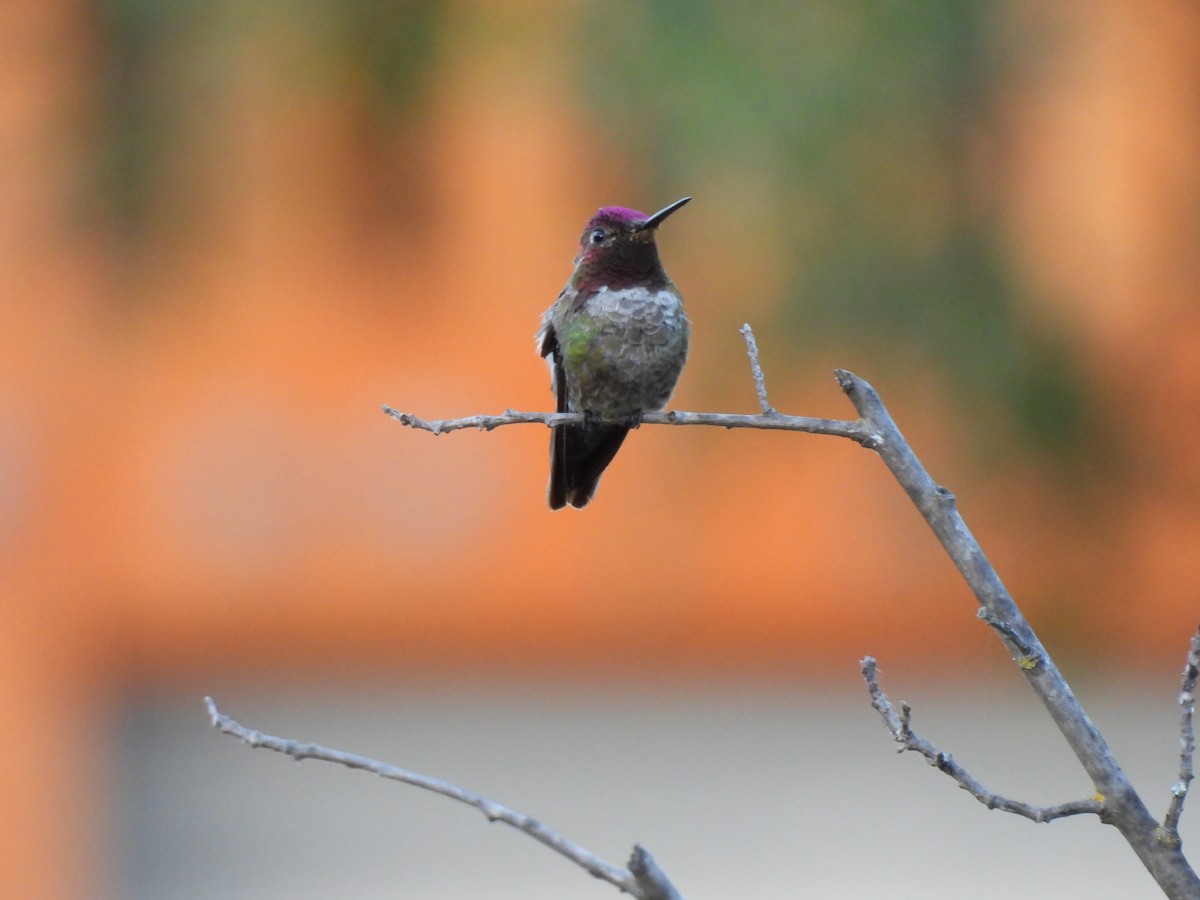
column 655, row 220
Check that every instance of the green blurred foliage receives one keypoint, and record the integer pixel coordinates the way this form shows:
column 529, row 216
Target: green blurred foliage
column 156, row 63
column 166, row 67
column 856, row 126
column 853, row 126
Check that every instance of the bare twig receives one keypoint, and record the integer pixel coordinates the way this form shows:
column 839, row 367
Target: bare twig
column 652, row 879
column 1024, row 655
column 756, row 372
column 1123, row 807
column 643, row 880
column 1187, row 742
column 772, row 422
column 899, row 725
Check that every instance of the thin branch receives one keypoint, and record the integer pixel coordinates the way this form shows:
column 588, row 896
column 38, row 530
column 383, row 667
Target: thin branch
column 773, row 422
column 650, row 877
column 643, row 880
column 1187, row 742
column 899, row 725
column 756, row 372
column 1123, row 807
column 1025, row 656
column 1157, row 847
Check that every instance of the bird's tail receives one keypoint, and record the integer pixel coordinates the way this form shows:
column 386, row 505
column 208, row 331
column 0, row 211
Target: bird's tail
column 578, row 456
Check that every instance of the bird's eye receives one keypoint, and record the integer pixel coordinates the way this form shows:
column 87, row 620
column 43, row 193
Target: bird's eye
column 598, row 236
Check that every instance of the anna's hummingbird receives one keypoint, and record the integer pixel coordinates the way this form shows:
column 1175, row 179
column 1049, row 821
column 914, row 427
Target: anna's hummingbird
column 616, row 339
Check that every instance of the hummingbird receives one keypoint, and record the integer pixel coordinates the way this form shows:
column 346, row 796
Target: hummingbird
column 615, row 339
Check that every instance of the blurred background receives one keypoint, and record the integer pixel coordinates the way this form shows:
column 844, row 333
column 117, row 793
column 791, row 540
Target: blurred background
column 230, row 231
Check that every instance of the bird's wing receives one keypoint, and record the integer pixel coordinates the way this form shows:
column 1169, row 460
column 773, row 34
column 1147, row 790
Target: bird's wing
column 548, row 347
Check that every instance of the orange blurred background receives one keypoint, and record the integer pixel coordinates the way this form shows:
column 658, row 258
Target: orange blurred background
column 199, row 485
